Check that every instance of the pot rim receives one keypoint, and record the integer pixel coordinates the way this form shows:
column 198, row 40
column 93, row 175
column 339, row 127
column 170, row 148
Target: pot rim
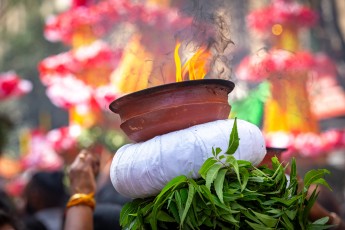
column 114, row 106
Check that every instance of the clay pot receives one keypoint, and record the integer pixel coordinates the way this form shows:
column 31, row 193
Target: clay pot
column 166, row 108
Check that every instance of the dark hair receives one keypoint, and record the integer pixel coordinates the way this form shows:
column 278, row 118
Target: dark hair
column 6, row 219
column 6, row 204
column 50, row 187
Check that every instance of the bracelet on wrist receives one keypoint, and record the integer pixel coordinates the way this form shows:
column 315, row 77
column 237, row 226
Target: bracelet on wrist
column 82, row 199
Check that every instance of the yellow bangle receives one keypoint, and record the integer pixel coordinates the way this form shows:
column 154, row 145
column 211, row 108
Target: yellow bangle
column 82, row 199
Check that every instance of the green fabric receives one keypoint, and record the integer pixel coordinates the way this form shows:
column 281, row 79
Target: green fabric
column 251, row 108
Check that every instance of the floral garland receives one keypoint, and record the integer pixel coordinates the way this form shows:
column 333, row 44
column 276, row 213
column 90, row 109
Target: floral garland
column 66, row 73
column 282, row 12
column 306, row 144
column 12, row 86
column 258, row 67
column 100, row 18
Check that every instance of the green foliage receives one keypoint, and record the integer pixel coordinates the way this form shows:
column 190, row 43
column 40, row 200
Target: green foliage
column 231, row 194
column 96, row 135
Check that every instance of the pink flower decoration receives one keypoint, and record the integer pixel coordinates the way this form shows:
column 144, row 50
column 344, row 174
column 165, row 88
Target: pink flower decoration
column 281, row 12
column 96, row 55
column 63, row 138
column 104, row 15
column 69, row 91
column 309, row 144
column 105, row 95
column 12, row 86
column 306, row 144
column 324, row 66
column 41, row 155
column 260, row 66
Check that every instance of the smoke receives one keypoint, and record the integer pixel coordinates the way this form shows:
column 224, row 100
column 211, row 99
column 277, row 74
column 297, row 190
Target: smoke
column 210, row 28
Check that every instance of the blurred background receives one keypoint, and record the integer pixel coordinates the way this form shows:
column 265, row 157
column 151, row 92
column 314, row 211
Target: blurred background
column 63, row 61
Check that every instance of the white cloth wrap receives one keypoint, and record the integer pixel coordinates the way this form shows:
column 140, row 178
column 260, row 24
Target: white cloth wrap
column 143, row 169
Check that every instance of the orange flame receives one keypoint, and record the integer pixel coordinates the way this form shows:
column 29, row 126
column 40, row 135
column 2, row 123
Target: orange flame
column 196, row 67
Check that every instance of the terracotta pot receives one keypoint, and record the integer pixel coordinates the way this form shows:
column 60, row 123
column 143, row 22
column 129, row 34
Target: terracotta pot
column 166, row 108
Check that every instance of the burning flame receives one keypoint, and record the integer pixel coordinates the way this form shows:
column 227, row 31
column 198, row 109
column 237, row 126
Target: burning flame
column 196, row 67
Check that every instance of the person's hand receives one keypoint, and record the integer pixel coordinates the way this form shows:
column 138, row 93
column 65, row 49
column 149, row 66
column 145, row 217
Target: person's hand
column 82, row 173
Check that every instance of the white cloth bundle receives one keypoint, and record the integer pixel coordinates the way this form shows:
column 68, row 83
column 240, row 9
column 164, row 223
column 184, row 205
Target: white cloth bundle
column 143, row 169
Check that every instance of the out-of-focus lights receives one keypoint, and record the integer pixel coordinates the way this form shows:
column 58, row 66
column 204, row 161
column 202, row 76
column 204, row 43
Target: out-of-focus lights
column 277, row 29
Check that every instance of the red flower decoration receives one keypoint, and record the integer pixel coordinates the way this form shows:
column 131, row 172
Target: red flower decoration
column 63, row 138
column 306, row 144
column 11, row 85
column 41, row 155
column 100, row 18
column 105, row 95
column 79, row 61
column 69, row 91
column 281, row 12
column 260, row 66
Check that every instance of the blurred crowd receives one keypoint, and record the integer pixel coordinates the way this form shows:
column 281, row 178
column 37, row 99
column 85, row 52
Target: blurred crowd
column 42, row 204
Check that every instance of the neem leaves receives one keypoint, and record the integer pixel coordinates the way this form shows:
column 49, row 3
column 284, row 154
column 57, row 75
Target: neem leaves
column 231, row 194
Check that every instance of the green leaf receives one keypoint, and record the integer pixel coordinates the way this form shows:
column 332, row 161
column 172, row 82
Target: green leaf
column 323, row 182
column 219, row 184
column 164, row 196
column 127, row 209
column 291, row 214
column 230, row 219
column 171, row 184
column 165, row 217
column 287, row 222
column 266, row 220
column 207, row 194
column 212, row 174
column 206, row 166
column 216, row 151
column 293, row 168
column 245, row 177
column 258, row 226
column 287, row 201
column 191, row 192
column 309, row 204
column 233, row 162
column 322, row 221
column 244, row 164
column 179, row 204
column 318, row 227
column 174, row 211
column 234, row 140
column 314, row 175
column 247, row 214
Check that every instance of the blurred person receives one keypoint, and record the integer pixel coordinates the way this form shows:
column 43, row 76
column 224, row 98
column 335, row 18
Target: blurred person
column 319, row 209
column 45, row 198
column 107, row 216
column 8, row 215
column 106, row 192
column 7, row 222
column 90, row 185
column 80, row 207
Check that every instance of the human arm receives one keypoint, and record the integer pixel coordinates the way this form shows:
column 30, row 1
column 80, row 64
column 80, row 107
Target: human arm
column 79, row 215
